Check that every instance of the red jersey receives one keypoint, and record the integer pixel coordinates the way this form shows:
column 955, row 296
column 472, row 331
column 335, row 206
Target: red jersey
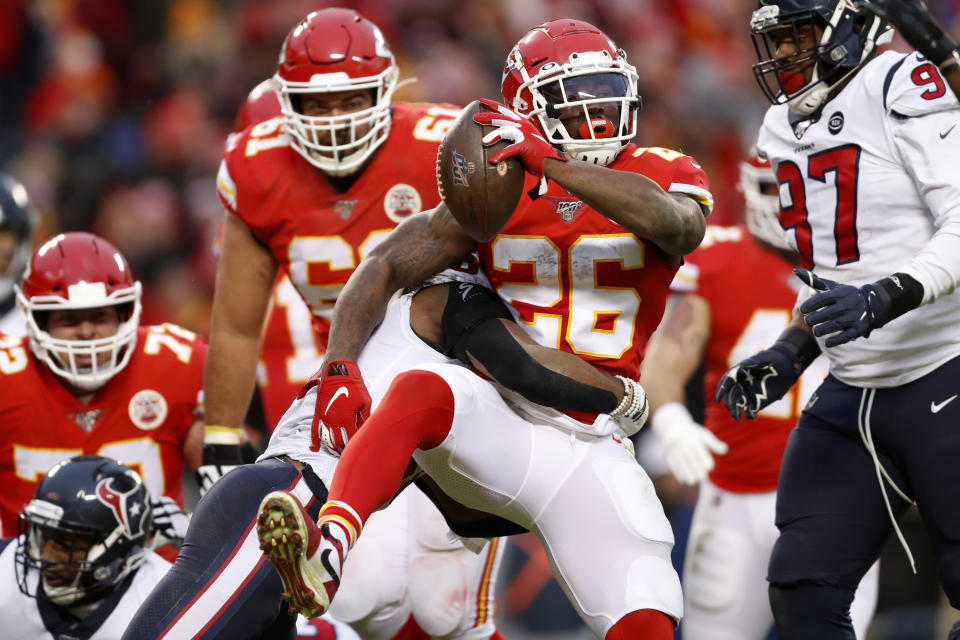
column 319, row 235
column 140, row 416
column 751, row 292
column 579, row 281
column 291, row 349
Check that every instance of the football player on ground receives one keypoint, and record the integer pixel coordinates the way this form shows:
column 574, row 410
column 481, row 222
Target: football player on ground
column 310, row 193
column 80, row 565
column 708, row 321
column 17, row 222
column 586, row 267
column 88, row 378
column 865, row 150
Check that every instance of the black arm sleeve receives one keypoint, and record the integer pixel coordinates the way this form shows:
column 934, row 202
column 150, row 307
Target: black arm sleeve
column 472, row 324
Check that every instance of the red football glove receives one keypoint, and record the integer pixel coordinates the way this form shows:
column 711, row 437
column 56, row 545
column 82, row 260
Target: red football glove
column 343, row 404
column 529, row 146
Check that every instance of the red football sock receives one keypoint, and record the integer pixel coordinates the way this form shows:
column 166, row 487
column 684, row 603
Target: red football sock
column 496, row 635
column 648, row 624
column 415, row 413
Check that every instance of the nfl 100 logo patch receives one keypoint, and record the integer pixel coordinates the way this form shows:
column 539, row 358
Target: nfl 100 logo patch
column 566, row 209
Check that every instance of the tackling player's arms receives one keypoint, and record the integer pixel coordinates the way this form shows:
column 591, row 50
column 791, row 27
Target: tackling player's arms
column 420, row 247
column 675, row 223
column 481, row 332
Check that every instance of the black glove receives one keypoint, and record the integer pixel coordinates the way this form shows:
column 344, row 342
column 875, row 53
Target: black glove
column 765, row 377
column 217, row 460
column 916, row 25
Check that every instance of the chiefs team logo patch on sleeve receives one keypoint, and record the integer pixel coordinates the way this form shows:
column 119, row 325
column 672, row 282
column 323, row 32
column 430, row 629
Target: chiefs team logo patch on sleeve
column 401, row 202
column 147, row 409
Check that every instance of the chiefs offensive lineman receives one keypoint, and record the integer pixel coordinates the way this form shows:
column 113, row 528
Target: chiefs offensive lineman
column 88, row 379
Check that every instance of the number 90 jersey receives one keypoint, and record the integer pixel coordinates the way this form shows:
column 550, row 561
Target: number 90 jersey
column 317, row 234
column 578, row 281
column 140, row 417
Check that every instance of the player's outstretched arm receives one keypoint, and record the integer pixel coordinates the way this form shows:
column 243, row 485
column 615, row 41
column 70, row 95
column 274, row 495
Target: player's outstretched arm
column 672, row 356
column 917, row 26
column 245, row 278
column 421, row 246
column 674, row 223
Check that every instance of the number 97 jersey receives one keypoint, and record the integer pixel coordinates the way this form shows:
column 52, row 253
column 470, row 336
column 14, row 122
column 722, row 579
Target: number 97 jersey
column 579, row 281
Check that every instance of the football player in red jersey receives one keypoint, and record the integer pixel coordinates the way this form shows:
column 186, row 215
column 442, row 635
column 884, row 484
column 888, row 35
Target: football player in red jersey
column 88, row 378
column 586, row 267
column 708, row 321
column 309, row 194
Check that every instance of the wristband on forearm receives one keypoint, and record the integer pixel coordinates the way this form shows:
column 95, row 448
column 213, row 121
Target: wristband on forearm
column 801, row 345
column 904, row 294
column 219, row 434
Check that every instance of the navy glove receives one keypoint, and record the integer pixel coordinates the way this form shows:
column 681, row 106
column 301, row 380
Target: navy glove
column 761, row 379
column 913, row 21
column 842, row 309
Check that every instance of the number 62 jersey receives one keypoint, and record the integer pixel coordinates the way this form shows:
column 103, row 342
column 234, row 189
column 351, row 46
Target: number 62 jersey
column 140, row 417
column 871, row 188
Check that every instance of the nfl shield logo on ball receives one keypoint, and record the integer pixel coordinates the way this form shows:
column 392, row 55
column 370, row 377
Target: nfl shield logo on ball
column 461, row 168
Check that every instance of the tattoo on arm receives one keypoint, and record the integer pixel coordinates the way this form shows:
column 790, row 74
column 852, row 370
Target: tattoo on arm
column 420, row 247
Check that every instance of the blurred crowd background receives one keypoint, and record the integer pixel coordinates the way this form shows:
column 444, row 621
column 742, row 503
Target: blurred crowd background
column 113, row 113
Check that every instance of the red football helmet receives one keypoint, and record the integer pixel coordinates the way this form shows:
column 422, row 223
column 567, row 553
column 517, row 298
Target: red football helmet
column 759, row 186
column 336, row 50
column 261, row 104
column 80, row 271
column 565, row 67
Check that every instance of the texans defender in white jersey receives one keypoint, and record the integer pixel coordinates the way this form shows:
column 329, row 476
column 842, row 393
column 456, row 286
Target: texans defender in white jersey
column 81, row 565
column 707, row 322
column 866, row 152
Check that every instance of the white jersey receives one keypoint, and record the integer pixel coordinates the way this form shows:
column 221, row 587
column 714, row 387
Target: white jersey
column 869, row 189
column 20, row 614
column 405, row 563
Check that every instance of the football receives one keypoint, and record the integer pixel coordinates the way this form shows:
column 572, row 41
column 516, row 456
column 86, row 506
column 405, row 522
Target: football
column 481, row 196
